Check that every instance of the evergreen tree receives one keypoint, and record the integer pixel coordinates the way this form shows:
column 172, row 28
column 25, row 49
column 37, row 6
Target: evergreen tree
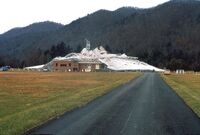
column 108, row 49
column 78, row 49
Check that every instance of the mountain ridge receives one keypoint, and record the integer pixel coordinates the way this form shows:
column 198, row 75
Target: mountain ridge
column 35, row 27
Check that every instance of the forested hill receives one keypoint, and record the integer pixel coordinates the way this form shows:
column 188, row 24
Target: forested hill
column 33, row 28
column 164, row 36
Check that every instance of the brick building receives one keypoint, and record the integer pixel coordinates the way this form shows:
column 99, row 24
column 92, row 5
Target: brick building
column 77, row 66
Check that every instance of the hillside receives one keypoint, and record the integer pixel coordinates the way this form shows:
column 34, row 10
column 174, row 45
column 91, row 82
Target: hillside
column 164, row 36
column 33, row 28
column 17, row 42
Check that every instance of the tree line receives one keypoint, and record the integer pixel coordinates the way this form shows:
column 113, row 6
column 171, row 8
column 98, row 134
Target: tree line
column 39, row 56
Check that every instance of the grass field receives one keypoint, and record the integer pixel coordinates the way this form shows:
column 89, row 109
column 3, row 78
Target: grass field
column 186, row 86
column 27, row 99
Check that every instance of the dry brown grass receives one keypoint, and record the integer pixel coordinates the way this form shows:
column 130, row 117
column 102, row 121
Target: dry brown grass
column 187, row 86
column 30, row 98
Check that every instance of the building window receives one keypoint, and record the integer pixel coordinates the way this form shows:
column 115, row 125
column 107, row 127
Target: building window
column 63, row 65
column 75, row 69
column 69, row 64
column 56, row 64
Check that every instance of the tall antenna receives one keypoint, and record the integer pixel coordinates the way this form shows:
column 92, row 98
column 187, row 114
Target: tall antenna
column 87, row 44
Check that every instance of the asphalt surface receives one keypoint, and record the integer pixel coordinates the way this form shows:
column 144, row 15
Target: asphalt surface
column 144, row 106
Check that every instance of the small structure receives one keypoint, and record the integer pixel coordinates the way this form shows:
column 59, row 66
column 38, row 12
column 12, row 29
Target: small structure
column 87, row 44
column 180, row 71
column 167, row 72
column 5, row 68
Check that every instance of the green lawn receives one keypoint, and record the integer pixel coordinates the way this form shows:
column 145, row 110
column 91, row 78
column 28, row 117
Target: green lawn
column 28, row 99
column 186, row 86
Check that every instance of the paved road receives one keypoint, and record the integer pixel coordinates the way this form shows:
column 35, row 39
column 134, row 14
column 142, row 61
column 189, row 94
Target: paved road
column 145, row 106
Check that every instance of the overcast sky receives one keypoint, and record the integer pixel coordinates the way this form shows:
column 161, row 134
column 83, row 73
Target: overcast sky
column 20, row 13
